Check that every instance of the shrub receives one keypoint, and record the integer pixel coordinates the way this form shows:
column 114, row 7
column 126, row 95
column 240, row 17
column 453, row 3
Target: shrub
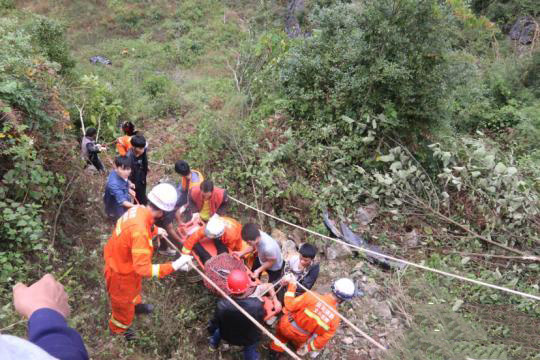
column 49, row 36
column 382, row 58
column 156, row 85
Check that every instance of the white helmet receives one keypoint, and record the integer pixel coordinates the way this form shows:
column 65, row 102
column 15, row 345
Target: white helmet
column 164, row 196
column 344, row 289
column 215, row 227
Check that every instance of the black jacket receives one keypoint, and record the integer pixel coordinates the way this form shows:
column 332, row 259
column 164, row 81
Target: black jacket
column 309, row 279
column 139, row 167
column 234, row 327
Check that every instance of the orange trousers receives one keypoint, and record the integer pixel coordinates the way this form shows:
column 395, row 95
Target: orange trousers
column 124, row 293
column 287, row 333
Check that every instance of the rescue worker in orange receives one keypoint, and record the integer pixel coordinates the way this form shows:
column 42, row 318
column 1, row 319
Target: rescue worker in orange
column 208, row 200
column 188, row 179
column 123, row 143
column 128, row 258
column 224, row 231
column 308, row 323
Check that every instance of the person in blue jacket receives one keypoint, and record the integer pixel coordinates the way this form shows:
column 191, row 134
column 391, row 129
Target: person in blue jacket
column 118, row 192
column 45, row 305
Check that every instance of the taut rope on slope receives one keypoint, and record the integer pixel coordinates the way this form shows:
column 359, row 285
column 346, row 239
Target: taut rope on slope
column 402, row 261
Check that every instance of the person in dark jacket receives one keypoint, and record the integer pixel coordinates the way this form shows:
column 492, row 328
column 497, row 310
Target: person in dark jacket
column 230, row 324
column 117, row 197
column 90, row 150
column 139, row 167
column 304, row 268
column 45, row 304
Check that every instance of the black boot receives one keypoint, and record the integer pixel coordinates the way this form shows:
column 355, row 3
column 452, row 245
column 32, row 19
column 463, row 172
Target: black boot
column 144, row 308
column 273, row 355
column 130, row 334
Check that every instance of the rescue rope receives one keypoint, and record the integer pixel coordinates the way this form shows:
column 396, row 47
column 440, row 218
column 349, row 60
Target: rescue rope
column 235, row 304
column 406, row 262
column 347, row 321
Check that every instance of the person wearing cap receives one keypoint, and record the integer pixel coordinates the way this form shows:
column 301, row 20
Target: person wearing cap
column 310, row 320
column 224, row 231
column 230, row 324
column 128, row 258
column 188, row 179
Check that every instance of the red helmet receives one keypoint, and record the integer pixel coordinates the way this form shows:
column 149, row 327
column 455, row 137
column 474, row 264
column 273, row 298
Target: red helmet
column 238, row 282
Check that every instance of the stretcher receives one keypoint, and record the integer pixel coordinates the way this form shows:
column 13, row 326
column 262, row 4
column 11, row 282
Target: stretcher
column 186, row 229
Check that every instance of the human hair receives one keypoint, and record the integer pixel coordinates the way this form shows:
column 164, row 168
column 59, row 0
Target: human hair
column 128, row 128
column 122, row 162
column 90, row 132
column 207, row 186
column 187, row 215
column 182, row 168
column 138, row 141
column 154, row 207
column 308, row 250
column 250, row 232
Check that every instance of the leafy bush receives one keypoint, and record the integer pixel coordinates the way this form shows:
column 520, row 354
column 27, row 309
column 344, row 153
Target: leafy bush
column 7, row 4
column 505, row 12
column 100, row 108
column 50, row 37
column 26, row 188
column 156, row 85
column 382, row 58
column 186, row 50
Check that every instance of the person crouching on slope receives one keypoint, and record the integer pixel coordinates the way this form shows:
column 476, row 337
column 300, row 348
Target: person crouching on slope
column 128, row 258
column 230, row 324
column 308, row 323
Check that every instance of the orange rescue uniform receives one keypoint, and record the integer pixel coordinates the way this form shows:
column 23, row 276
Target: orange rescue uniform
column 128, row 258
column 231, row 238
column 123, row 144
column 307, row 320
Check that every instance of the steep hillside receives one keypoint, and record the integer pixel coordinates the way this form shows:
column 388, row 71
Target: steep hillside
column 415, row 124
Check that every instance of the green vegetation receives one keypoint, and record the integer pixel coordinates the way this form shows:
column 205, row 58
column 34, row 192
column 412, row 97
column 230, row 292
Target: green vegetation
column 422, row 107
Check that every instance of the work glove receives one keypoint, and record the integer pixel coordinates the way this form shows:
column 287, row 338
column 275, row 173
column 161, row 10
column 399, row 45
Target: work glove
column 182, row 263
column 162, row 232
column 303, row 350
column 288, row 279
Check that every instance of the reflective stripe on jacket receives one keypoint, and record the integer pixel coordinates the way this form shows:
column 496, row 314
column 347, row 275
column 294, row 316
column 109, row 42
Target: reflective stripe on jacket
column 313, row 316
column 129, row 249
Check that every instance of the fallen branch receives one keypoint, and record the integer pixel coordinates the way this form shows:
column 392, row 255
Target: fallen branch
column 423, row 205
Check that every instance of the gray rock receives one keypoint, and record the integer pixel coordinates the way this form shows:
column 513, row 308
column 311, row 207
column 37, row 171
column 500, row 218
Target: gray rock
column 523, row 30
column 338, row 251
column 366, row 214
column 382, row 309
column 370, row 288
column 411, row 238
column 279, row 236
column 347, row 340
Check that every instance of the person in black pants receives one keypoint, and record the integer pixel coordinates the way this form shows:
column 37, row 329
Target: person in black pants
column 139, row 167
